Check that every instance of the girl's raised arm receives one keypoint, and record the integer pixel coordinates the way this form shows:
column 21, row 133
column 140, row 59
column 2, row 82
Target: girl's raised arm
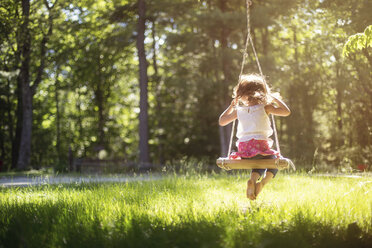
column 229, row 114
column 280, row 110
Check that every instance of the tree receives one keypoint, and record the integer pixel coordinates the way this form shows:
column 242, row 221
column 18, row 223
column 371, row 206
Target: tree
column 143, row 81
column 27, row 89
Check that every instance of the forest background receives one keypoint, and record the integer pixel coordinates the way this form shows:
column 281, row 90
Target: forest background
column 73, row 74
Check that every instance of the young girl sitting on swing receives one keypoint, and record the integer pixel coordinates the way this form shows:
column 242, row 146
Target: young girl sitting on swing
column 251, row 105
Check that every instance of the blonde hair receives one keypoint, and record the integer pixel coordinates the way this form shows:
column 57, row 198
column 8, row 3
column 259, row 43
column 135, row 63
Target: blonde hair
column 254, row 87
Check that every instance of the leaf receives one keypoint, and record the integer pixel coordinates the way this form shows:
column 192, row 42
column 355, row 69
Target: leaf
column 358, row 42
column 9, row 74
column 368, row 34
column 355, row 43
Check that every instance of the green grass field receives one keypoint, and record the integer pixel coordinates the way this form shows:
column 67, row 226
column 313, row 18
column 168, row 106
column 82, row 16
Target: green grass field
column 190, row 211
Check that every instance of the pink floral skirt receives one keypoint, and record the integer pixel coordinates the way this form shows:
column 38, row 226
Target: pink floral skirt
column 251, row 148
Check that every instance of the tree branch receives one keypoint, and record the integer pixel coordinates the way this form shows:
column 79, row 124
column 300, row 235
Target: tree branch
column 43, row 49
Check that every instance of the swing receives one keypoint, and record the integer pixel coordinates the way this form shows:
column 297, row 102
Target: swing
column 278, row 163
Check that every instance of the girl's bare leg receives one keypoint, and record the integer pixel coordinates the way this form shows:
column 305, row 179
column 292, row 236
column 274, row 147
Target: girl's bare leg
column 251, row 185
column 265, row 180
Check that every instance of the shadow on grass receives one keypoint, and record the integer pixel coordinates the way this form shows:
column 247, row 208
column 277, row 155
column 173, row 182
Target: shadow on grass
column 305, row 234
column 65, row 226
column 45, row 229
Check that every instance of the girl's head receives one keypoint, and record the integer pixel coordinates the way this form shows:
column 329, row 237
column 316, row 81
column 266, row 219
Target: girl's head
column 251, row 90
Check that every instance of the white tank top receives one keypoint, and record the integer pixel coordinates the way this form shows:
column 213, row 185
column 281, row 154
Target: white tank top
column 253, row 123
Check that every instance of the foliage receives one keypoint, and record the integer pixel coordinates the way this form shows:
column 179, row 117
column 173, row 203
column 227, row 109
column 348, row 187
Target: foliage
column 88, row 98
column 358, row 42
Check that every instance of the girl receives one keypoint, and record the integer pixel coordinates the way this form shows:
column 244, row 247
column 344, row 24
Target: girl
column 251, row 105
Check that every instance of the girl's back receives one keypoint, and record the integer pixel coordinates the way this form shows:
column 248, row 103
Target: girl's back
column 254, row 123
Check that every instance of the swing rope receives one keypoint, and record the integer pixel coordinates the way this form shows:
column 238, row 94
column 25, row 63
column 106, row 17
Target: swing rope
column 245, row 54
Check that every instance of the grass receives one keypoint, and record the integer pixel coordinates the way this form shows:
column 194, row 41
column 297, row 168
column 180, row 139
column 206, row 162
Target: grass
column 190, row 211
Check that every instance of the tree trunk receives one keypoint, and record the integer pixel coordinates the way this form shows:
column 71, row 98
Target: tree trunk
column 339, row 96
column 58, row 118
column 361, row 115
column 10, row 120
column 157, row 95
column 26, row 133
column 265, row 41
column 80, row 123
column 17, row 137
column 26, row 93
column 222, row 130
column 143, row 81
column 293, row 100
column 100, row 105
column 226, row 70
column 2, row 137
column 224, row 143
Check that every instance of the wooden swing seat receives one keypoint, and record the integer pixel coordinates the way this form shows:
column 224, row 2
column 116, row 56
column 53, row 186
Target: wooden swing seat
column 233, row 164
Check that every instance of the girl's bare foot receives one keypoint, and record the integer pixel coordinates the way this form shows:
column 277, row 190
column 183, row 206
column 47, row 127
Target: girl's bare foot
column 258, row 188
column 251, row 190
